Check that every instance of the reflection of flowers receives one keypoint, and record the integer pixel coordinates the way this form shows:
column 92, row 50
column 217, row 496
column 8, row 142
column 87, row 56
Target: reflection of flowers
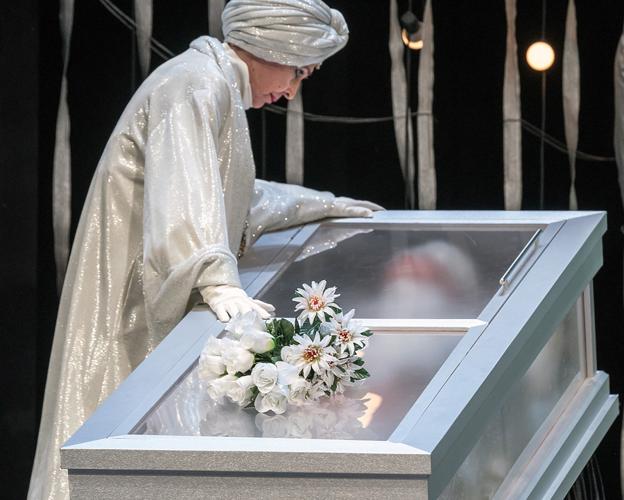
column 189, row 411
column 330, row 419
column 315, row 301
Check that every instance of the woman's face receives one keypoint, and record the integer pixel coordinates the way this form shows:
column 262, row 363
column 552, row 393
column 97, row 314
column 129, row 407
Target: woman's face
column 271, row 81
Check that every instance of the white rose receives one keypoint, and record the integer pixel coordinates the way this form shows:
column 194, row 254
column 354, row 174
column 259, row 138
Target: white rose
column 241, row 323
column 298, row 391
column 218, row 387
column 236, row 358
column 286, row 373
column 275, row 401
column 264, row 376
column 241, row 390
column 289, row 354
column 210, row 367
column 213, row 346
column 257, row 341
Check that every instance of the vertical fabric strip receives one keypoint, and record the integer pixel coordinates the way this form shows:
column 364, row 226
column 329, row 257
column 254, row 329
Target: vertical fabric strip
column 143, row 17
column 215, row 9
column 618, row 145
column 398, row 81
column 618, row 129
column 512, row 131
column 294, row 140
column 571, row 83
column 61, row 176
column 426, row 159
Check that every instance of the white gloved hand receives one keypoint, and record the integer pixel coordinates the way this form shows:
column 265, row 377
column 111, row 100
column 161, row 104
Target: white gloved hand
column 348, row 207
column 227, row 301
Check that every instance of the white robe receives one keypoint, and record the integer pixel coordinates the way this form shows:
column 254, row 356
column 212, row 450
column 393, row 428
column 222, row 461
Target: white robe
column 169, row 202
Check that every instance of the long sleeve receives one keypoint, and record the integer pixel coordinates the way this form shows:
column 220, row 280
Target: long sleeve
column 276, row 206
column 186, row 242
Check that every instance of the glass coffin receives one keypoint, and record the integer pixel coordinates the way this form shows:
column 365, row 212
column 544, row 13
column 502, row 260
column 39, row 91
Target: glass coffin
column 483, row 372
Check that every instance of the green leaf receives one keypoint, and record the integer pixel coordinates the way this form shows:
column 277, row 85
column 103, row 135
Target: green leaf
column 287, row 328
column 367, row 333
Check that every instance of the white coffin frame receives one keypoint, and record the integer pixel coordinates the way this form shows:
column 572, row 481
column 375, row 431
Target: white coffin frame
column 105, row 459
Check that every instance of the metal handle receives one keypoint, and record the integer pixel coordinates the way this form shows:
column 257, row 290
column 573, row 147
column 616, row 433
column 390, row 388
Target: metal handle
column 504, row 281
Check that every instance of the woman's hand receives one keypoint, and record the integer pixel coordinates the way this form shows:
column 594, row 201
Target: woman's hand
column 348, row 207
column 227, row 301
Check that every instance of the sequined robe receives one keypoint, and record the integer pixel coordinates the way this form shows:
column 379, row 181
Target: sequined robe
column 164, row 216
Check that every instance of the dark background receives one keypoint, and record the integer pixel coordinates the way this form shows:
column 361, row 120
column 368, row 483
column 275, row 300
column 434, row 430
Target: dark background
column 354, row 160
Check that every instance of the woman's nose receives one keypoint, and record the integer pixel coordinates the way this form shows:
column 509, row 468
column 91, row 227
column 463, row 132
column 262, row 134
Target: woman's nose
column 292, row 89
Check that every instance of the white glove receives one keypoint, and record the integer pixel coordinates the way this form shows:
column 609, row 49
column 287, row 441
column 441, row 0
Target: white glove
column 226, row 301
column 348, row 207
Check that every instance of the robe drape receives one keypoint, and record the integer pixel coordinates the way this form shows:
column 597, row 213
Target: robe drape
column 165, row 213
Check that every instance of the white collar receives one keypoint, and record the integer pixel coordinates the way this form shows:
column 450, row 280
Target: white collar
column 242, row 75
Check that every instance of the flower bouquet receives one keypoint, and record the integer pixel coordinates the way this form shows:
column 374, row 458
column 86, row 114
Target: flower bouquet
column 272, row 364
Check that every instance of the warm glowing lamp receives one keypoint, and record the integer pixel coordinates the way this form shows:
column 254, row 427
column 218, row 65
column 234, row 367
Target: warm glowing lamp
column 410, row 41
column 540, row 56
column 411, row 34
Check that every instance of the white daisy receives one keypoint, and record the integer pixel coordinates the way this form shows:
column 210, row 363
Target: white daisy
column 313, row 300
column 348, row 332
column 312, row 354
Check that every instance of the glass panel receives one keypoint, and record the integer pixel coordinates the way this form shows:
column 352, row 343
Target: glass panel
column 401, row 365
column 402, row 272
column 524, row 415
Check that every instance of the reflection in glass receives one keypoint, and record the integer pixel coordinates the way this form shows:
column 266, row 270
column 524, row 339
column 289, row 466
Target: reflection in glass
column 402, row 273
column 528, row 405
column 401, row 365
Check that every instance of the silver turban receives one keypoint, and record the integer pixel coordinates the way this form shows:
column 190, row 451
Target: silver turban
column 290, row 32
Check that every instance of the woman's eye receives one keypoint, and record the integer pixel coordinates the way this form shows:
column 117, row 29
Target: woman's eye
column 299, row 72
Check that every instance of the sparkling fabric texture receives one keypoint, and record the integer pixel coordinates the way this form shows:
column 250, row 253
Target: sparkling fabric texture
column 290, row 32
column 164, row 216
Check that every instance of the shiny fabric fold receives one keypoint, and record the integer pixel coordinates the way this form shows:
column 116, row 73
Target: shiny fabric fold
column 571, row 83
column 290, row 32
column 512, row 130
column 164, row 214
column 277, row 206
column 427, row 182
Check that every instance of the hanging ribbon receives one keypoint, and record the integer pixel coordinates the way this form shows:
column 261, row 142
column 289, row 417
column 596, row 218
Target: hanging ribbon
column 618, row 144
column 61, row 176
column 398, row 81
column 294, row 140
column 571, row 96
column 618, row 141
column 215, row 9
column 143, row 13
column 426, row 159
column 512, row 126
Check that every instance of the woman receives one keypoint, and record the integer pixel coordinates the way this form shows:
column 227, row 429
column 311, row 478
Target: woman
column 171, row 204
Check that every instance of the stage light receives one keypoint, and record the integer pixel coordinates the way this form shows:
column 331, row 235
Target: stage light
column 540, row 56
column 411, row 32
